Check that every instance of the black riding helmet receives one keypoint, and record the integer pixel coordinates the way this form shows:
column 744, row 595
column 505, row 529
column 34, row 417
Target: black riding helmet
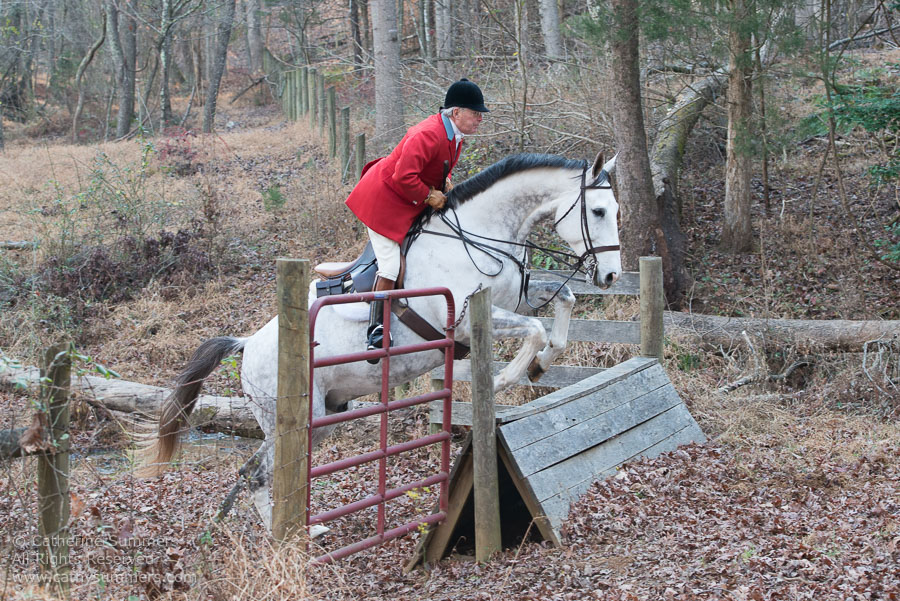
column 465, row 94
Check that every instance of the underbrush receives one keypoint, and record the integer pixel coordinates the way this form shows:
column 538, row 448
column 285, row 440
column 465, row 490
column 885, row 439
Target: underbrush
column 100, row 240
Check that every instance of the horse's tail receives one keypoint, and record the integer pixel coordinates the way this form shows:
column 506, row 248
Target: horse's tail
column 179, row 404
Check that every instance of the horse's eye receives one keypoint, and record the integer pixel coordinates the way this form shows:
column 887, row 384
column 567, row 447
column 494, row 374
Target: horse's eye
column 601, row 213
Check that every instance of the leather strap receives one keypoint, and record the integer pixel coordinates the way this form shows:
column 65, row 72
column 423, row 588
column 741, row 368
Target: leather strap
column 417, row 324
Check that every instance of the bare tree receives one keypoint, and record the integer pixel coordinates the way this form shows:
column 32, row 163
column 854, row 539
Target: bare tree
column 79, row 74
column 388, row 96
column 223, row 35
column 364, row 26
column 254, row 35
column 553, row 45
column 123, row 41
column 443, row 35
column 355, row 37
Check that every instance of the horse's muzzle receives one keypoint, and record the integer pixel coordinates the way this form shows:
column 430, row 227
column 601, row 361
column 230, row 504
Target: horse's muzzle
column 605, row 281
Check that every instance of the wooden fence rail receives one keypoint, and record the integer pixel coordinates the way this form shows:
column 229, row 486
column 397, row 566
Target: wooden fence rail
column 648, row 333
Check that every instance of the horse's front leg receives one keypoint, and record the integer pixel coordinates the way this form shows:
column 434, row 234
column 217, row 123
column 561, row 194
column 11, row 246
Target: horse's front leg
column 563, row 303
column 507, row 324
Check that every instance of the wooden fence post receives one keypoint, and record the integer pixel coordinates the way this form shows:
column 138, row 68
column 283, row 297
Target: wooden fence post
column 345, row 142
column 652, row 305
column 53, row 472
column 292, row 95
column 320, row 93
column 289, row 487
column 304, row 90
column 332, row 121
column 313, row 105
column 484, row 437
column 360, row 154
column 298, row 94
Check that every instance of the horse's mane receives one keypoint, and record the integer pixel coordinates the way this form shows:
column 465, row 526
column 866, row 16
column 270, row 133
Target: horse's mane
column 510, row 165
column 514, row 163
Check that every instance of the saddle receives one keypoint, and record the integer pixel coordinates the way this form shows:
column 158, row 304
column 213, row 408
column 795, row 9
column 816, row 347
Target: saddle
column 352, row 276
column 359, row 276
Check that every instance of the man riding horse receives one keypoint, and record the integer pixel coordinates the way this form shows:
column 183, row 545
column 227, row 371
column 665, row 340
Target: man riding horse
column 395, row 189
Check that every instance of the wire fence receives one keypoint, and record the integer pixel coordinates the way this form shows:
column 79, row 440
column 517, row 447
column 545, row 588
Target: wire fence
column 119, row 536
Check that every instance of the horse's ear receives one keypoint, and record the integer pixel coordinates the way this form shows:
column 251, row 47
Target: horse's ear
column 598, row 165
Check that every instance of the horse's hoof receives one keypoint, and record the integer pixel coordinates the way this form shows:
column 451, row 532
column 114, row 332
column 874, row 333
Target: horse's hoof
column 535, row 371
column 317, row 530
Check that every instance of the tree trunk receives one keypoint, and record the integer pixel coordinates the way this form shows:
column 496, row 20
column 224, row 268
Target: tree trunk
column 666, row 155
column 364, row 26
column 553, row 45
column 428, row 20
column 215, row 77
column 126, row 108
column 443, row 36
column 641, row 232
column 355, row 37
column 165, row 59
column 254, row 35
column 80, row 73
column 737, row 231
column 388, row 94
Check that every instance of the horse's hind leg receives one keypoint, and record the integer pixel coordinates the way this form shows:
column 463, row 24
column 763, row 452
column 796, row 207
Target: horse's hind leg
column 261, row 470
column 507, row 324
column 260, row 477
column 563, row 303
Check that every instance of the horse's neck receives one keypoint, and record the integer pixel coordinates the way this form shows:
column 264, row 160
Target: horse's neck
column 510, row 208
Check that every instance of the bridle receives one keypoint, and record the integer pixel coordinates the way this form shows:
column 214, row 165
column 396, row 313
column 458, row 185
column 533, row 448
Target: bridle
column 588, row 258
column 586, row 261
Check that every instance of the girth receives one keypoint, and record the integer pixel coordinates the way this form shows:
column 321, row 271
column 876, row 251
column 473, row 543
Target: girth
column 423, row 329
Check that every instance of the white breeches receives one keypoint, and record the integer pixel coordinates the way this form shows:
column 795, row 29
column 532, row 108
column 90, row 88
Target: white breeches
column 387, row 253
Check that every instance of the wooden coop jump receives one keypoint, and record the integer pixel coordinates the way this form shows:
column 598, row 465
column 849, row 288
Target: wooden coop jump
column 551, row 450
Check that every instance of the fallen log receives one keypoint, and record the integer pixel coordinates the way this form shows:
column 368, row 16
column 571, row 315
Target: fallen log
column 231, row 415
column 17, row 245
column 714, row 332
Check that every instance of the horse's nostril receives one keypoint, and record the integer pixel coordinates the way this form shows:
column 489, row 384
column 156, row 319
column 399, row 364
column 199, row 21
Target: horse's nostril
column 611, row 278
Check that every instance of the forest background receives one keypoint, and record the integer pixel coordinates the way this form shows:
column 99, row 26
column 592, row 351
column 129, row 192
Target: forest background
column 149, row 178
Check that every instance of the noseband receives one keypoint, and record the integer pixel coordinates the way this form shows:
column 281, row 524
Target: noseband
column 588, row 259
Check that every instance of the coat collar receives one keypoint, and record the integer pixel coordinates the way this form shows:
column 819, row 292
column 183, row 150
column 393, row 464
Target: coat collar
column 448, row 127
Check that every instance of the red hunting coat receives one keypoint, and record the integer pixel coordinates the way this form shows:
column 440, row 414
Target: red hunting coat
column 392, row 190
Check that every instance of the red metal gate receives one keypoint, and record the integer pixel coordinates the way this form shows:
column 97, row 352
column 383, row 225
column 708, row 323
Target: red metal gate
column 383, row 495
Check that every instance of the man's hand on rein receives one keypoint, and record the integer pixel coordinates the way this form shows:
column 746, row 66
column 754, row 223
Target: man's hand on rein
column 435, row 199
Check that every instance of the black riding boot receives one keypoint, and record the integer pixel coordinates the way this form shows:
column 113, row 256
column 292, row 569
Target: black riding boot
column 375, row 332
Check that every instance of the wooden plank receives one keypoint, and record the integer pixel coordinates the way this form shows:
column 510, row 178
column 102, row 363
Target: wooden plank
column 582, row 408
column 599, row 330
column 602, row 460
column 557, row 508
column 601, row 380
column 462, row 412
column 548, row 451
column 628, row 283
column 557, row 376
